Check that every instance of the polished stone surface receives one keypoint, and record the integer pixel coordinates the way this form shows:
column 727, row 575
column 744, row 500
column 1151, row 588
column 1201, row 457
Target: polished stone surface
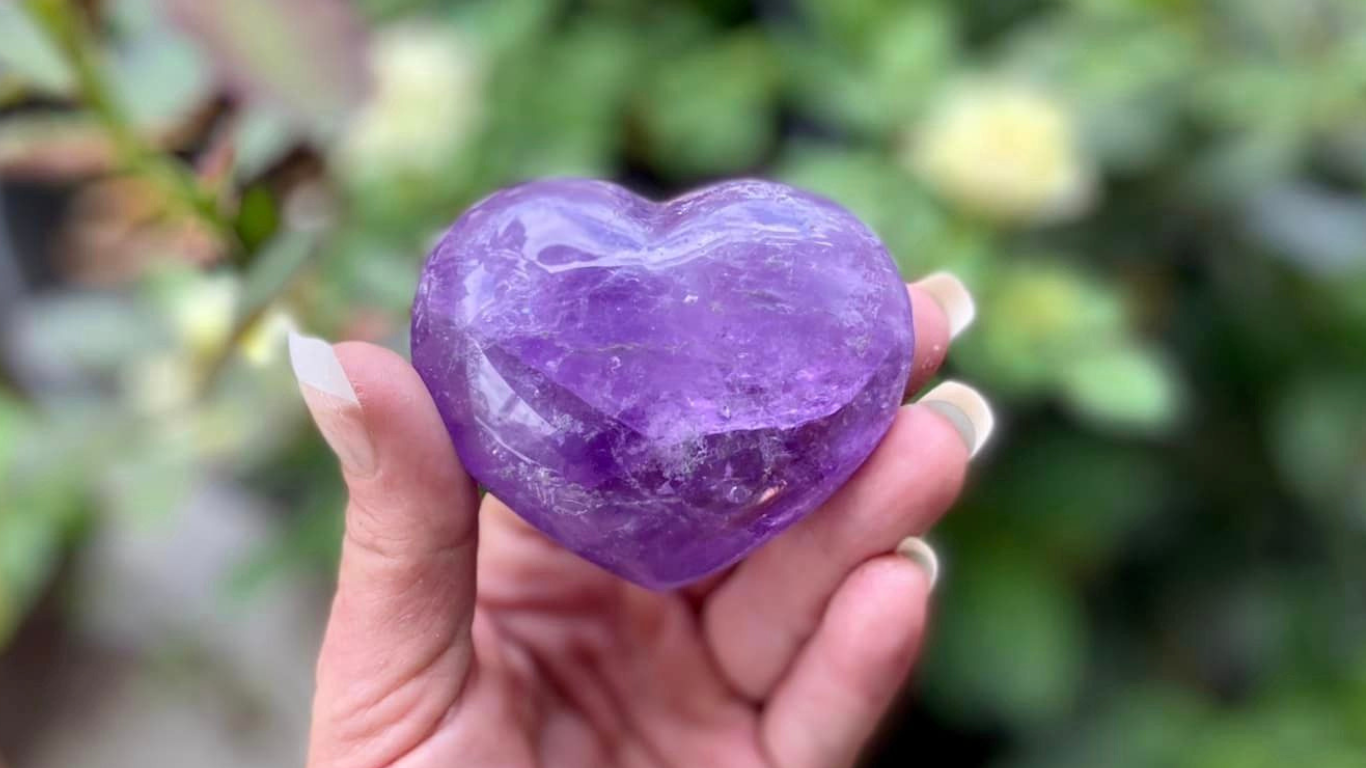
column 662, row 387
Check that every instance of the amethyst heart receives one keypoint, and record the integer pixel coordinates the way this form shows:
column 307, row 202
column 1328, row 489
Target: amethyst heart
column 662, row 387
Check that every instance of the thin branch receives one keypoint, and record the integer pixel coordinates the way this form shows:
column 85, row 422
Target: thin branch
column 63, row 23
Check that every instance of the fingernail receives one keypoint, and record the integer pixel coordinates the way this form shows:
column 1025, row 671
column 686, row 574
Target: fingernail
column 966, row 409
column 332, row 401
column 951, row 295
column 919, row 551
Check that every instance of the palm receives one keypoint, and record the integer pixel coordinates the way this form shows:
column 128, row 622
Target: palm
column 460, row 635
column 591, row 670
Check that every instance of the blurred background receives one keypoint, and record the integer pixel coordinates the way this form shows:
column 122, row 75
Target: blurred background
column 1158, row 203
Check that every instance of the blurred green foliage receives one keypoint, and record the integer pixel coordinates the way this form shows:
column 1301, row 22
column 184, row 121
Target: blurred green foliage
column 1157, row 203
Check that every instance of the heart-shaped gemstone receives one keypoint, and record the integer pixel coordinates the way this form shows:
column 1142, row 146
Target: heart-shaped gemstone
column 662, row 387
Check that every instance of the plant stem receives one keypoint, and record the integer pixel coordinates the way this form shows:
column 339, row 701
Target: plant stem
column 63, row 24
column 278, row 268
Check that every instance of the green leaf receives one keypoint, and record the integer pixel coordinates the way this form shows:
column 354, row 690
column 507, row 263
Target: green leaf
column 912, row 52
column 1316, row 432
column 40, row 492
column 258, row 218
column 1126, row 71
column 1150, row 724
column 847, row 23
column 875, row 89
column 829, row 86
column 262, row 138
column 14, row 421
column 1232, row 172
column 30, row 544
column 1076, row 497
column 889, row 201
column 577, row 82
column 25, row 51
column 1128, row 388
column 151, row 480
column 310, row 542
column 1010, row 644
column 277, row 263
column 1277, row 731
column 156, row 74
column 1037, row 317
column 506, row 28
column 711, row 111
column 370, row 272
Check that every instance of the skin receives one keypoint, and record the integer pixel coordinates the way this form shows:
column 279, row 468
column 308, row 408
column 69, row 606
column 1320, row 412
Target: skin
column 461, row 636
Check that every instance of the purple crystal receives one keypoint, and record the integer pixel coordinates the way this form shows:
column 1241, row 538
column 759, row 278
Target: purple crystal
column 662, row 387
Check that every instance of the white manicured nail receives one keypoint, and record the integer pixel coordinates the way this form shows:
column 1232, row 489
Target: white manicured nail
column 316, row 364
column 966, row 409
column 919, row 551
column 950, row 294
column 332, row 401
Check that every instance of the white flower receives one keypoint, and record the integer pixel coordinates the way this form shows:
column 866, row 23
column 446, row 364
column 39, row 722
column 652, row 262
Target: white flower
column 1005, row 151
column 424, row 108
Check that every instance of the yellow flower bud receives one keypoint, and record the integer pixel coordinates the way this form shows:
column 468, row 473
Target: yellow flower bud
column 202, row 314
column 264, row 343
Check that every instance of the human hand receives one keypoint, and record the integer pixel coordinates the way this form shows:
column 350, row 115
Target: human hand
column 460, row 635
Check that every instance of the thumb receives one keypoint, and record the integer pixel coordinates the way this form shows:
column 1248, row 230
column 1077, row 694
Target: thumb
column 398, row 648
